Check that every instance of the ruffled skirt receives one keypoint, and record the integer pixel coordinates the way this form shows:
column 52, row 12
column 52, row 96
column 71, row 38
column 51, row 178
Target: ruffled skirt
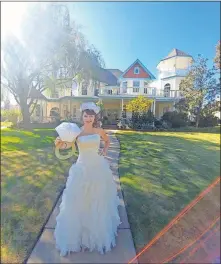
column 88, row 215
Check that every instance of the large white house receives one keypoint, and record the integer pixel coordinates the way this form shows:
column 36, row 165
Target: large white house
column 116, row 88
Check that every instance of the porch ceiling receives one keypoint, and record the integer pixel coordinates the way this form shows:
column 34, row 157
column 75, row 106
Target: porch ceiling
column 74, row 98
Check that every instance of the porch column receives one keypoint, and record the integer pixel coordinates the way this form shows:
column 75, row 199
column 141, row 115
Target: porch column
column 46, row 111
column 69, row 108
column 151, row 108
column 174, row 105
column 122, row 104
column 154, row 107
column 42, row 111
column 100, row 99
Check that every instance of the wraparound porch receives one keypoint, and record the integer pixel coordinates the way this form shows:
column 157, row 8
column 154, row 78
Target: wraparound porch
column 69, row 107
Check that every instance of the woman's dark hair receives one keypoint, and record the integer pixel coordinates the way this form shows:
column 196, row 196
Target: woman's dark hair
column 96, row 119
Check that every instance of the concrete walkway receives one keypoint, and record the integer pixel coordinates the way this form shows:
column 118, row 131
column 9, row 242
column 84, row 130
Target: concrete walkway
column 45, row 251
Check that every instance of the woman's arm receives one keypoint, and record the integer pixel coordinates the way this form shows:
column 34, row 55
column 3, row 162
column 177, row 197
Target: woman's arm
column 106, row 140
column 62, row 144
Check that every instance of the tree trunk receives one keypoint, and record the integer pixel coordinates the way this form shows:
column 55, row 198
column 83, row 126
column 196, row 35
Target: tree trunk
column 26, row 115
column 197, row 120
column 198, row 114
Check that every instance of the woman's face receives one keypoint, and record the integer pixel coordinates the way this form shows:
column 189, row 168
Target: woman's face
column 88, row 118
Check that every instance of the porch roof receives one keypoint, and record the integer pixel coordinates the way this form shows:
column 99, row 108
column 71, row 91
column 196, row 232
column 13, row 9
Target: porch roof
column 108, row 97
column 73, row 98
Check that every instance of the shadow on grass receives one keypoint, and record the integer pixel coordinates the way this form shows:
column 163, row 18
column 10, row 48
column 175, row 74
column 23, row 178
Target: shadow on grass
column 161, row 173
column 32, row 178
column 21, row 139
column 211, row 130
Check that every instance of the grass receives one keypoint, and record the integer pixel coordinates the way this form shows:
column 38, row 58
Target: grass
column 215, row 129
column 32, row 178
column 6, row 124
column 161, row 172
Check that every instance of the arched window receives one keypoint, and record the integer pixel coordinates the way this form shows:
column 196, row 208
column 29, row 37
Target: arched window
column 54, row 112
column 167, row 90
column 136, row 70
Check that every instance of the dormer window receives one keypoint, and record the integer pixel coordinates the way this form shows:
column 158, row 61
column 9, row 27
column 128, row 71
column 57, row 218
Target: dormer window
column 136, row 70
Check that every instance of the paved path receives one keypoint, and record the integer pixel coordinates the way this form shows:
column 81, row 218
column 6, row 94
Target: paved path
column 45, row 252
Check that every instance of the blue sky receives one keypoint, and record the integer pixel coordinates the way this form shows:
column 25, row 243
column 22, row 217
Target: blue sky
column 125, row 31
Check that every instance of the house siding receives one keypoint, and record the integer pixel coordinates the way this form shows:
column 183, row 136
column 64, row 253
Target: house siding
column 130, row 72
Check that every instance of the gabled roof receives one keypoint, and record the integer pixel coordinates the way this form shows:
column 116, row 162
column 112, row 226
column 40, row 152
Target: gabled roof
column 141, row 64
column 176, row 53
column 104, row 76
column 116, row 72
column 36, row 94
column 98, row 73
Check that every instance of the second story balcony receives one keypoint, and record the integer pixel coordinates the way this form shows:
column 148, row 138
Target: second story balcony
column 150, row 92
column 172, row 73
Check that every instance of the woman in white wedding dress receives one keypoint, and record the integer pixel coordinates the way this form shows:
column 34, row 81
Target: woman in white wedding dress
column 88, row 217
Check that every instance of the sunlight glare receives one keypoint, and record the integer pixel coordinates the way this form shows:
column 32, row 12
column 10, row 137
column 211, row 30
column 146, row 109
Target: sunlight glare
column 11, row 17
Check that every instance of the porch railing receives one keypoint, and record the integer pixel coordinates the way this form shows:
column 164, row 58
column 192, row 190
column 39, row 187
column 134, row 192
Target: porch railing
column 178, row 72
column 150, row 91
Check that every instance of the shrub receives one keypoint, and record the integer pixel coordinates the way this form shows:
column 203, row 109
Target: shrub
column 11, row 115
column 207, row 115
column 142, row 120
column 175, row 119
column 208, row 121
column 105, row 120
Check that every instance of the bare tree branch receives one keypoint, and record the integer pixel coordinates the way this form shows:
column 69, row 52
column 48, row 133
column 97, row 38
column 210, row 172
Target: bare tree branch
column 34, row 106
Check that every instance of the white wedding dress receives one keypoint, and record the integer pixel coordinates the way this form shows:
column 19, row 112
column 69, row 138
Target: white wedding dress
column 88, row 215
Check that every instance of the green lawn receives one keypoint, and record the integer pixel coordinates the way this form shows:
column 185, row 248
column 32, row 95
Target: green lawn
column 161, row 172
column 32, row 178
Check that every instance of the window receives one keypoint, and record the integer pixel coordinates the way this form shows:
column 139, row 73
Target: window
column 65, row 109
column 38, row 110
column 96, row 92
column 74, row 111
column 62, row 72
column 54, row 111
column 167, row 90
column 136, row 84
column 136, row 70
column 84, row 89
column 124, row 85
column 145, row 83
column 109, row 91
column 145, row 90
column 135, row 90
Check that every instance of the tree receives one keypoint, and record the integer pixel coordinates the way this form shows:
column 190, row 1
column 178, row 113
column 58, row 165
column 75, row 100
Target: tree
column 48, row 55
column 217, row 56
column 139, row 105
column 198, row 86
column 19, row 75
column 181, row 106
column 208, row 116
column 101, row 105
